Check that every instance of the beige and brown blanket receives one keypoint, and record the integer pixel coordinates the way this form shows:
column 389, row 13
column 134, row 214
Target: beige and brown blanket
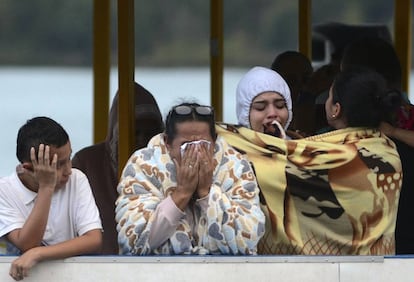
column 330, row 194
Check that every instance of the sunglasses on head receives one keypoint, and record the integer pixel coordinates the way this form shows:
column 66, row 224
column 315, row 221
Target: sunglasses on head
column 187, row 110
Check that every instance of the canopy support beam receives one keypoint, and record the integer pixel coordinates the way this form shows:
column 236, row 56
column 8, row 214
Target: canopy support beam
column 216, row 57
column 101, row 68
column 126, row 69
column 402, row 39
column 305, row 27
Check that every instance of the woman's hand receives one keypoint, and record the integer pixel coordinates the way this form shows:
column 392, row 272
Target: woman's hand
column 187, row 176
column 205, row 169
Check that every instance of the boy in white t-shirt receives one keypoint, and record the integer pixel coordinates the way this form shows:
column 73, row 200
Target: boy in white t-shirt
column 47, row 210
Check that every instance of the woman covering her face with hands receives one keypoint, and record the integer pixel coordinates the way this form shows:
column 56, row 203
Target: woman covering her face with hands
column 188, row 192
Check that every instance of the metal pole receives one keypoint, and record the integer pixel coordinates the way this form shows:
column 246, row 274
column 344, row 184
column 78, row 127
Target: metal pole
column 402, row 39
column 126, row 68
column 216, row 57
column 305, row 27
column 101, row 68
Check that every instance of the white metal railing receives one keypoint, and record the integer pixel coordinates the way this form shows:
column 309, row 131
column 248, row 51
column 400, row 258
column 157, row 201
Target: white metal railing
column 220, row 268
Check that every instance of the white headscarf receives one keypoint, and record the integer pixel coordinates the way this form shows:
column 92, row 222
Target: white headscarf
column 257, row 81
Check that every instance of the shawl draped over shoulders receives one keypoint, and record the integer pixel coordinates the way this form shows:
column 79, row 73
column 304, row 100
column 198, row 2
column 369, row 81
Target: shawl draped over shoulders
column 332, row 194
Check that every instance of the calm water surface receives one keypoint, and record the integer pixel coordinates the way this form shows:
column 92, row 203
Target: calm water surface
column 65, row 94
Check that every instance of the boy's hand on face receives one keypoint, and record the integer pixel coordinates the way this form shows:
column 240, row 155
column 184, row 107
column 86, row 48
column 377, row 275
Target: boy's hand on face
column 45, row 171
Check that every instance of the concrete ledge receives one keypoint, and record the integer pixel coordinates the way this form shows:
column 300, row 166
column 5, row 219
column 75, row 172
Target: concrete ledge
column 220, row 268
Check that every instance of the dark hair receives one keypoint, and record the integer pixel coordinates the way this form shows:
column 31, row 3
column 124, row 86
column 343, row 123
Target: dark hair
column 173, row 119
column 364, row 97
column 36, row 131
column 377, row 54
column 288, row 57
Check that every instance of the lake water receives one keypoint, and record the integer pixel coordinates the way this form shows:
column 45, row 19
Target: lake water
column 65, row 94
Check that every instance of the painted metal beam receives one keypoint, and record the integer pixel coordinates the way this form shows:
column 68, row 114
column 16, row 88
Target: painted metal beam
column 126, row 69
column 101, row 68
column 216, row 57
column 305, row 27
column 402, row 38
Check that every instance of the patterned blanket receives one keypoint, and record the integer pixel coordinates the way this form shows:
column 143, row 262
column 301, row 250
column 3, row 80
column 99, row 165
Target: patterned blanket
column 330, row 194
column 230, row 223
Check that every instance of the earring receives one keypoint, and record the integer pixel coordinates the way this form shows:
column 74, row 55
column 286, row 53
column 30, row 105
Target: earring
column 333, row 116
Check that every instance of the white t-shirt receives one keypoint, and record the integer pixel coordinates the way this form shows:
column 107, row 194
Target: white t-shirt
column 72, row 213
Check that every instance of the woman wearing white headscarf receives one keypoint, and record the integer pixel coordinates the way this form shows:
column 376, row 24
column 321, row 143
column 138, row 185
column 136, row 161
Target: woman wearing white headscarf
column 263, row 102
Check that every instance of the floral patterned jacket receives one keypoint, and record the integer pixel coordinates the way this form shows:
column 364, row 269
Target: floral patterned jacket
column 232, row 223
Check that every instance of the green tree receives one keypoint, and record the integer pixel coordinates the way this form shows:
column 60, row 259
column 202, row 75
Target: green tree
column 169, row 33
